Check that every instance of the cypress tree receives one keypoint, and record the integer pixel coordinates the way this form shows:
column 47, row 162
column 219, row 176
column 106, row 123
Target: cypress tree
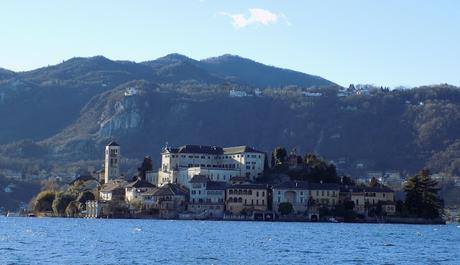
column 422, row 196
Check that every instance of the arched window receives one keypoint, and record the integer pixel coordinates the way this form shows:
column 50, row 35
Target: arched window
column 240, row 199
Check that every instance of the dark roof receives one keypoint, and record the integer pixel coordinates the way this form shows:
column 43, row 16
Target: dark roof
column 211, row 150
column 240, row 149
column 113, row 185
column 199, row 179
column 216, row 185
column 171, row 190
column 248, row 186
column 292, row 185
column 200, row 149
column 113, row 143
column 139, row 183
column 323, row 186
column 372, row 189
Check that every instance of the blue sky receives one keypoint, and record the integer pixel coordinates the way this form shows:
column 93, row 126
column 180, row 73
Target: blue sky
column 389, row 42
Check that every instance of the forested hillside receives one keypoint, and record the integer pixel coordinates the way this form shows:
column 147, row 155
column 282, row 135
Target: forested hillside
column 66, row 113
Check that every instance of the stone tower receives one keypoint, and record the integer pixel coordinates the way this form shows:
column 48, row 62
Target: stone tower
column 112, row 161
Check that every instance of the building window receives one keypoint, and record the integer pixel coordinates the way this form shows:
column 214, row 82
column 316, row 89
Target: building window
column 257, row 194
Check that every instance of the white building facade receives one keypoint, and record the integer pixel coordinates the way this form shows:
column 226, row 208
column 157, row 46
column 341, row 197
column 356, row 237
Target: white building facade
column 217, row 163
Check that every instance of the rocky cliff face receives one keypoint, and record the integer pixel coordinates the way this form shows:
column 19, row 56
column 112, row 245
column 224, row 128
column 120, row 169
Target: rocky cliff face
column 71, row 110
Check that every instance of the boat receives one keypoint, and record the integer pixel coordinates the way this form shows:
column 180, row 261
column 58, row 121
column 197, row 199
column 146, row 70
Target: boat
column 12, row 214
column 333, row 220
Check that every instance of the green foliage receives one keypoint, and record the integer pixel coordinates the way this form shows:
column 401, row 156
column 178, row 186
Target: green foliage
column 421, row 196
column 72, row 209
column 85, row 196
column 316, row 169
column 43, row 202
column 285, row 208
column 279, row 154
column 374, row 182
column 61, row 202
column 345, row 211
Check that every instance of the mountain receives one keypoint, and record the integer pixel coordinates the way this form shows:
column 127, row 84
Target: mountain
column 46, row 100
column 247, row 71
column 5, row 74
column 232, row 68
column 58, row 115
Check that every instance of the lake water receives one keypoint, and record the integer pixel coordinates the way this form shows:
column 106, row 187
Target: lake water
column 108, row 241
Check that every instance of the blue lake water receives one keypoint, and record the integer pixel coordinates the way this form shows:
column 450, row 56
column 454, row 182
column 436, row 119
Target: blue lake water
column 108, row 241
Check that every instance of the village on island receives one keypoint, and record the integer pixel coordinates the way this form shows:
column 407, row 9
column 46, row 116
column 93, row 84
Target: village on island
column 197, row 182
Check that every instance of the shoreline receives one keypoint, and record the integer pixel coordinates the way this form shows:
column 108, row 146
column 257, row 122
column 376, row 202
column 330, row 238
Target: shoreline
column 408, row 221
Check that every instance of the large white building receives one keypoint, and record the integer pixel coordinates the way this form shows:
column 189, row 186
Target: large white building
column 112, row 161
column 179, row 165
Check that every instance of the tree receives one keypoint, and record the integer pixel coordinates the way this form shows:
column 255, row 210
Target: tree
column 317, row 169
column 285, row 208
column 280, row 154
column 43, row 201
column 61, row 202
column 145, row 167
column 266, row 167
column 272, row 160
column 49, row 184
column 374, row 182
column 72, row 209
column 85, row 196
column 422, row 196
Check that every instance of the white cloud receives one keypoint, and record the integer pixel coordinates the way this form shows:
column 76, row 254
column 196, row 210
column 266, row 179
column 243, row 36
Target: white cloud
column 256, row 16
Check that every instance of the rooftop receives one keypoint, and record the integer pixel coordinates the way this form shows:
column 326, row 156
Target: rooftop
column 113, row 143
column 171, row 190
column 211, row 150
column 139, row 183
column 113, row 185
column 292, row 185
column 323, row 186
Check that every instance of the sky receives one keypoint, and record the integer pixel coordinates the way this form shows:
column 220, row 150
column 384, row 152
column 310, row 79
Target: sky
column 387, row 43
